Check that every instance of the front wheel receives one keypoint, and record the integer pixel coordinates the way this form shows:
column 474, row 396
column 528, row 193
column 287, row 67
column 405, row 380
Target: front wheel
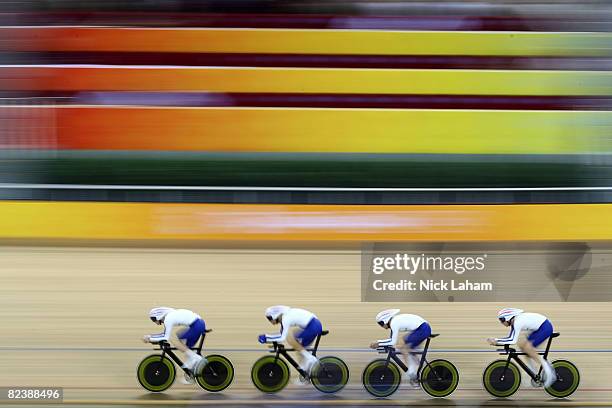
column 270, row 374
column 156, row 374
column 217, row 374
column 568, row 378
column 439, row 378
column 381, row 378
column 330, row 374
column 500, row 380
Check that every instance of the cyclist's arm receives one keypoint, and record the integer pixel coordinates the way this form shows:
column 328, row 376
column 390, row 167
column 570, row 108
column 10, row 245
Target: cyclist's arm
column 165, row 336
column 392, row 340
column 511, row 338
column 280, row 337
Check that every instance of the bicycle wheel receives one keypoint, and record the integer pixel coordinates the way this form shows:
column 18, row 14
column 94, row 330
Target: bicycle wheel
column 439, row 378
column 330, row 374
column 217, row 374
column 568, row 378
column 270, row 374
column 156, row 374
column 380, row 378
column 501, row 381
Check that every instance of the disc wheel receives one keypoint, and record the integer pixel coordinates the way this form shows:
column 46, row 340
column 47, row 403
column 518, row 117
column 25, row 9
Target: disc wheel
column 568, row 378
column 217, row 374
column 156, row 374
column 439, row 378
column 270, row 374
column 501, row 381
column 380, row 378
column 330, row 374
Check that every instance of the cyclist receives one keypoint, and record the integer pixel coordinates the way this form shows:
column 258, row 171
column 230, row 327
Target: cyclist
column 539, row 329
column 419, row 330
column 191, row 328
column 306, row 327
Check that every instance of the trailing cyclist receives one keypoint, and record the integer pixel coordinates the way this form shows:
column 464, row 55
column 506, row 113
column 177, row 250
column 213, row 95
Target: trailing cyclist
column 539, row 328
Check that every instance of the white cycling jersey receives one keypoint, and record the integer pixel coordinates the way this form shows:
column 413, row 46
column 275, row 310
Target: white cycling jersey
column 529, row 322
column 178, row 317
column 291, row 318
column 401, row 323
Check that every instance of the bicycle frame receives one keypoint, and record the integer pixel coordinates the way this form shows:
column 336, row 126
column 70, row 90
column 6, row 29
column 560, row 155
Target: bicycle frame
column 168, row 350
column 514, row 355
column 280, row 350
column 392, row 354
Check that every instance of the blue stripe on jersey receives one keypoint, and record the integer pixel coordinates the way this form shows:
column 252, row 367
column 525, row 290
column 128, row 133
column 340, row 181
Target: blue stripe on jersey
column 510, row 336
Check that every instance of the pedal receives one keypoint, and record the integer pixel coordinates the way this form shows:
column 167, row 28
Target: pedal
column 537, row 383
column 187, row 379
column 413, row 383
column 301, row 380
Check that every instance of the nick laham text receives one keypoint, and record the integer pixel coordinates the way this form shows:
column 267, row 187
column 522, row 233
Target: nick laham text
column 432, row 285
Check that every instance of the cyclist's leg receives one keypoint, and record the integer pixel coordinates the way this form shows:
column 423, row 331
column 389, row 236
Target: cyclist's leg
column 409, row 359
column 305, row 338
column 530, row 344
column 188, row 338
column 178, row 341
column 411, row 342
column 293, row 341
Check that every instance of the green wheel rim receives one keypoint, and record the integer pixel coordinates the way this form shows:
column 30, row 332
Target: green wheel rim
column 156, row 359
column 267, row 363
column 334, row 367
column 558, row 389
column 496, row 366
column 224, row 370
column 371, row 369
column 446, row 368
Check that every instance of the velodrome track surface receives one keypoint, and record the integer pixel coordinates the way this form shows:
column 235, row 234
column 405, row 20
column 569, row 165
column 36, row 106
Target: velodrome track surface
column 73, row 318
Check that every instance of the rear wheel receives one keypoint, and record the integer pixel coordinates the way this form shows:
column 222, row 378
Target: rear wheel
column 217, row 374
column 270, row 374
column 381, row 378
column 501, row 381
column 568, row 378
column 439, row 378
column 330, row 374
column 155, row 373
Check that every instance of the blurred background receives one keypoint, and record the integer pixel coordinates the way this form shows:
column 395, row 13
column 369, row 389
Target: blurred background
column 212, row 154
column 334, row 94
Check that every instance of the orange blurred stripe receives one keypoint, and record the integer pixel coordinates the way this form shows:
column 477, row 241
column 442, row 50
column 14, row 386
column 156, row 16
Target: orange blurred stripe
column 330, row 130
column 282, row 41
column 318, row 130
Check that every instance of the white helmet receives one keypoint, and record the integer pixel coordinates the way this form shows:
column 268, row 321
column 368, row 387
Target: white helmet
column 505, row 315
column 158, row 313
column 274, row 312
column 383, row 317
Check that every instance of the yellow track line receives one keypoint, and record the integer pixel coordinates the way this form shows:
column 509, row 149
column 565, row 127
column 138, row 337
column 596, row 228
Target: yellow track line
column 303, row 41
column 297, row 223
column 310, row 80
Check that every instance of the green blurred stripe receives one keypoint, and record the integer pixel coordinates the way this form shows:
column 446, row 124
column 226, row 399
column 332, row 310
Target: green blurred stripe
column 333, row 170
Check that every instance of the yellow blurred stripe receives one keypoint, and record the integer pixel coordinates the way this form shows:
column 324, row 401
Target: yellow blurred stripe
column 244, row 222
column 282, row 41
column 332, row 130
column 309, row 80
